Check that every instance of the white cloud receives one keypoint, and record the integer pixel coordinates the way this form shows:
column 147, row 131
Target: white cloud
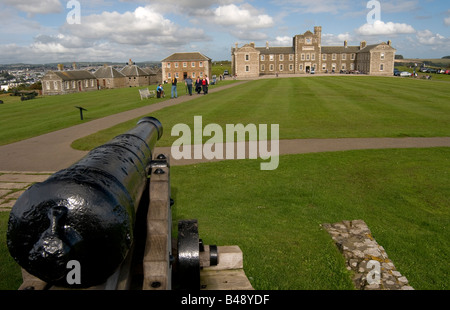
column 317, row 6
column 243, row 17
column 336, row 40
column 382, row 28
column 427, row 37
column 282, row 41
column 36, row 6
column 447, row 19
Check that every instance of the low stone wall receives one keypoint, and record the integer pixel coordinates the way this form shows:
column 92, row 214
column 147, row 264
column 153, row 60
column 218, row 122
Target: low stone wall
column 372, row 268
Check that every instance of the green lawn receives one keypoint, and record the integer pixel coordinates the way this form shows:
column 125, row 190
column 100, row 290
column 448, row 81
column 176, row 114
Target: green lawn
column 275, row 216
column 22, row 120
column 316, row 107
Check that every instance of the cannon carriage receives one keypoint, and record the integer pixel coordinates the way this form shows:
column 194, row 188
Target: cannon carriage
column 106, row 223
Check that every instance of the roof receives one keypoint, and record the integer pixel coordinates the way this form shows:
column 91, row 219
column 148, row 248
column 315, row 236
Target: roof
column 186, row 57
column 339, row 49
column 74, row 75
column 368, row 48
column 108, row 72
column 133, row 70
column 276, row 50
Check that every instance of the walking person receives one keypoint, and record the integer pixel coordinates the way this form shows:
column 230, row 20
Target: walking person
column 198, row 85
column 174, row 88
column 188, row 83
column 205, row 85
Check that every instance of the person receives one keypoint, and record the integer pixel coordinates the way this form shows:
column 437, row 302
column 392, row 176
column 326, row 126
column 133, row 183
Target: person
column 205, row 85
column 188, row 83
column 174, row 88
column 159, row 91
column 198, row 85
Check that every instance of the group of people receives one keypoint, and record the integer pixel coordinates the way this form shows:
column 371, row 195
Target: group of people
column 200, row 85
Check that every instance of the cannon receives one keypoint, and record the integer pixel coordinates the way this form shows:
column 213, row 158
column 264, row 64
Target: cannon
column 92, row 213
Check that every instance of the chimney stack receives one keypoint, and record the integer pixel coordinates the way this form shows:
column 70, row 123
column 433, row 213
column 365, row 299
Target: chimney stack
column 345, row 44
column 60, row 67
column 267, row 44
column 363, row 44
column 74, row 66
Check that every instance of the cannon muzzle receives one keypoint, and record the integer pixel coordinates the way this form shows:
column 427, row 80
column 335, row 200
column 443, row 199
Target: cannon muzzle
column 85, row 212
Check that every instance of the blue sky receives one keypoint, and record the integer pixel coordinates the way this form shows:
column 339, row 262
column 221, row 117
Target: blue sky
column 38, row 31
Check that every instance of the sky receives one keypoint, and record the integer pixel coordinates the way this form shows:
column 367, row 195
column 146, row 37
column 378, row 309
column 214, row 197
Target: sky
column 51, row 31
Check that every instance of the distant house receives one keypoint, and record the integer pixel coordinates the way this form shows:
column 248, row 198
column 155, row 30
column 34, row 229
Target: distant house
column 183, row 65
column 108, row 78
column 135, row 76
column 66, row 82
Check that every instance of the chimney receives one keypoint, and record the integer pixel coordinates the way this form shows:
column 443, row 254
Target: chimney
column 74, row 66
column 60, row 67
column 236, row 45
column 252, row 44
column 267, row 44
column 363, row 44
column 389, row 42
column 345, row 44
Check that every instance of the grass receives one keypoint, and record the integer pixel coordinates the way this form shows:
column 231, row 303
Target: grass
column 317, row 107
column 275, row 216
column 22, row 120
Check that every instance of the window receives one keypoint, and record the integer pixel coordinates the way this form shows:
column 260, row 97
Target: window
column 271, row 67
column 55, row 85
column 193, row 75
column 281, row 57
column 263, row 68
column 67, row 85
column 247, row 68
column 344, row 56
column 334, row 57
column 271, row 58
column 382, row 67
column 303, row 56
column 307, row 56
column 291, row 67
column 313, row 56
column 176, row 65
column 247, row 57
column 324, row 66
column 353, row 56
column 92, row 83
column 382, row 56
column 200, row 64
column 168, row 65
column 262, row 58
column 86, row 83
column 177, row 75
column 324, row 56
column 184, row 64
column 47, row 85
column 300, row 67
column 193, row 64
column 291, row 57
column 281, row 67
column 74, row 84
column 169, row 75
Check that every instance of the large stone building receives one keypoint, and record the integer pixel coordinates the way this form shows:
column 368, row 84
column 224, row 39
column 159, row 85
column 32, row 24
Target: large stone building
column 183, row 65
column 307, row 54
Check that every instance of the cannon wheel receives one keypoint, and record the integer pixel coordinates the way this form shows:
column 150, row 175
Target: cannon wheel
column 188, row 255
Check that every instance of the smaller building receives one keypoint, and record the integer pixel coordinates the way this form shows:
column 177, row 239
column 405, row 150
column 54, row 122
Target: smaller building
column 108, row 78
column 135, row 76
column 183, row 65
column 67, row 82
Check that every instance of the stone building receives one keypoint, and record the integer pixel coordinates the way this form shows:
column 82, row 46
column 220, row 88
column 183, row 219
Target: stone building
column 307, row 54
column 182, row 65
column 108, row 78
column 135, row 76
column 66, row 82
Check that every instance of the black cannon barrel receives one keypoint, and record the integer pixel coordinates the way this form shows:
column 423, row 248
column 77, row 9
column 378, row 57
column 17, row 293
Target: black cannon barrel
column 86, row 212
